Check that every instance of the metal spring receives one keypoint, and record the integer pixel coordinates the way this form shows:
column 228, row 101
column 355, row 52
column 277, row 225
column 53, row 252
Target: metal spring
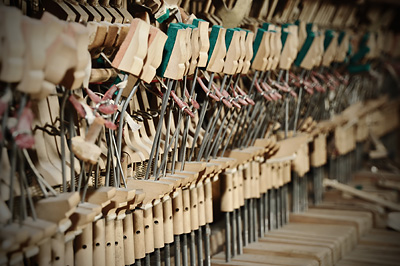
column 33, row 185
column 140, row 169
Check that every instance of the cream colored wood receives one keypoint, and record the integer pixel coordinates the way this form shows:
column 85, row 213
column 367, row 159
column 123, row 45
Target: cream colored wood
column 216, row 62
column 132, row 52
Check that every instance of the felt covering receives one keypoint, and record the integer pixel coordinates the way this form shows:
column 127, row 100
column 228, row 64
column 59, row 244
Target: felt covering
column 267, row 26
column 257, row 41
column 196, row 21
column 168, row 47
column 284, row 36
column 359, row 68
column 228, row 37
column 213, row 39
column 304, row 49
column 329, row 34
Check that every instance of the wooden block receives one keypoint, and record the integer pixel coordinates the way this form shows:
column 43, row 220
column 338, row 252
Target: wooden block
column 261, row 48
column 334, row 244
column 249, row 52
column 217, row 49
column 262, row 259
column 204, row 42
column 55, row 209
column 233, row 51
column 321, row 218
column 347, row 235
column 133, row 50
column 153, row 59
column 152, row 189
column 294, row 251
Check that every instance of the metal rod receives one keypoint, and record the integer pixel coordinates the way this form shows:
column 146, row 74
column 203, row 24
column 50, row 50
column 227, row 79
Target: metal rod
column 157, row 255
column 177, row 249
column 192, row 249
column 200, row 246
column 155, row 147
column 266, row 212
column 184, row 250
column 167, row 254
column 234, row 235
column 147, row 260
column 261, row 216
column 201, row 118
column 246, row 222
column 62, row 138
column 207, row 260
column 227, row 237
column 239, row 231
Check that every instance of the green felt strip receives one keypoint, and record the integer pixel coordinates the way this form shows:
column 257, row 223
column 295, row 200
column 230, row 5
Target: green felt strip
column 168, row 47
column 213, row 39
column 267, row 26
column 309, row 27
column 228, row 37
column 163, row 17
column 196, row 21
column 257, row 41
column 284, row 36
column 304, row 49
column 284, row 26
column 359, row 68
column 185, row 26
column 329, row 34
column 364, row 40
column 341, row 36
column 359, row 55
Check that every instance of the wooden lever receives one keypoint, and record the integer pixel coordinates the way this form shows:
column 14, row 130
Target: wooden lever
column 174, row 57
column 204, row 42
column 261, row 50
column 153, row 59
column 249, row 52
column 233, row 53
column 86, row 149
column 133, row 50
column 217, row 51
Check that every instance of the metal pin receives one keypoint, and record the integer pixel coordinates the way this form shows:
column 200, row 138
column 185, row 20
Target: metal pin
column 266, row 212
column 147, row 260
column 227, row 237
column 192, row 249
column 157, row 254
column 261, row 216
column 184, row 250
column 200, row 246
column 167, row 254
column 246, row 222
column 255, row 219
column 239, row 231
column 251, row 221
column 273, row 209
column 234, row 235
column 177, row 249
column 207, row 261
